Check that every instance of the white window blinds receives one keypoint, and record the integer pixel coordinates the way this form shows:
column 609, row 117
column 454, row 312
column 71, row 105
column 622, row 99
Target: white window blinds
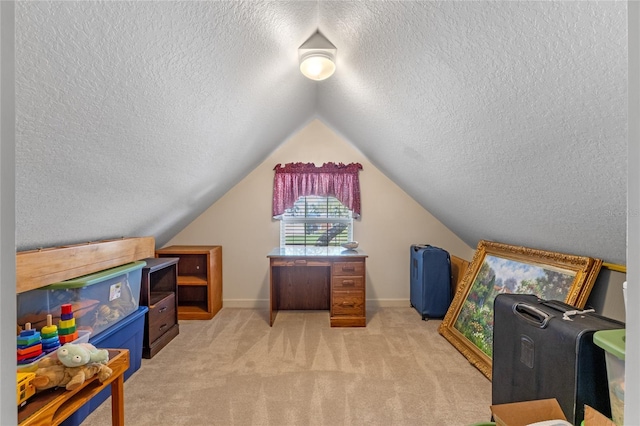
column 316, row 221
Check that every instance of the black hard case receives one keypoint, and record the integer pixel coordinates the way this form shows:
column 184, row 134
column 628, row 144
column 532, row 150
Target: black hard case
column 430, row 282
column 538, row 355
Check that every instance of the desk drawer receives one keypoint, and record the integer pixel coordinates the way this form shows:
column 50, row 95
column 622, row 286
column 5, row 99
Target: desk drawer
column 162, row 316
column 347, row 283
column 348, row 268
column 346, row 302
column 299, row 262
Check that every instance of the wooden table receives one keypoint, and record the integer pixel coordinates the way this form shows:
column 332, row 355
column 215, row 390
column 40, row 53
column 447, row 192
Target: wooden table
column 319, row 278
column 53, row 406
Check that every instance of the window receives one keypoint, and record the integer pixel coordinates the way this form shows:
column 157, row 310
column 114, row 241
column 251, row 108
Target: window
column 316, row 221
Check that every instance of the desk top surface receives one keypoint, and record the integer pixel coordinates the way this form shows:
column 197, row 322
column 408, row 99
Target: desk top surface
column 313, row 251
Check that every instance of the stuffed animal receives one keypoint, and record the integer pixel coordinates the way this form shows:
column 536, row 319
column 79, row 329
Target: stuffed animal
column 52, row 373
column 77, row 354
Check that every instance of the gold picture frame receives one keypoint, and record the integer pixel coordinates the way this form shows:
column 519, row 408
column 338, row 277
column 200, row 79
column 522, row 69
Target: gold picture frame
column 496, row 268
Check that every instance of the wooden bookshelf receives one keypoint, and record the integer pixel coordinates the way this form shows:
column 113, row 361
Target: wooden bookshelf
column 199, row 280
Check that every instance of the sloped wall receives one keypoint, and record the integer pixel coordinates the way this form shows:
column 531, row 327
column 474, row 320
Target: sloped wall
column 391, row 221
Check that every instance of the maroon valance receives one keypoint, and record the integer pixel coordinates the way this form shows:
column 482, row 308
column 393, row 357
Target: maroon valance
column 294, row 180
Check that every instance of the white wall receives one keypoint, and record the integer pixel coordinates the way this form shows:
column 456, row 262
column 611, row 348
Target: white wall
column 8, row 414
column 632, row 369
column 391, row 221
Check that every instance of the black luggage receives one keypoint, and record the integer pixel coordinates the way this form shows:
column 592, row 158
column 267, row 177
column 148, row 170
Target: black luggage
column 430, row 286
column 541, row 350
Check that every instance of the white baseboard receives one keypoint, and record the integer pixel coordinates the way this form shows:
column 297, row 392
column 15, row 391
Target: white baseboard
column 264, row 303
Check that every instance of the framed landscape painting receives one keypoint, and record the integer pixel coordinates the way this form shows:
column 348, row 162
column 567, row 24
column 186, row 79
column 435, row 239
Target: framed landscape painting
column 501, row 268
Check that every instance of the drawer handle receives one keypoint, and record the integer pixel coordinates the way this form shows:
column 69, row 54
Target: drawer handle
column 348, row 268
column 163, row 326
column 161, row 310
column 348, row 282
column 300, row 262
column 348, row 304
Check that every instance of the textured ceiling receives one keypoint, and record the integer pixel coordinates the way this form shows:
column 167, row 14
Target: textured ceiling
column 506, row 120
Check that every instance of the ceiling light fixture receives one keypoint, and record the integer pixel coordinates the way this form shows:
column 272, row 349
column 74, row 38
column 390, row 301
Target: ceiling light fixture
column 317, row 57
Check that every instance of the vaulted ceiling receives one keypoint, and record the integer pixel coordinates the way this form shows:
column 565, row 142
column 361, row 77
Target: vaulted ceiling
column 506, row 120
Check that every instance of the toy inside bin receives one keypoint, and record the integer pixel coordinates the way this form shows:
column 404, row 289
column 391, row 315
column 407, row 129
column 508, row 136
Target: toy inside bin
column 98, row 300
column 613, row 342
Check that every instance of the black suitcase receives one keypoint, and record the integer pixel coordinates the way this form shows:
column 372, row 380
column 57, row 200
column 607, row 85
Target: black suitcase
column 430, row 285
column 537, row 354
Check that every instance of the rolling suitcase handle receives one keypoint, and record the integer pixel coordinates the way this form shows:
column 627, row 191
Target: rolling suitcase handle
column 531, row 314
column 567, row 310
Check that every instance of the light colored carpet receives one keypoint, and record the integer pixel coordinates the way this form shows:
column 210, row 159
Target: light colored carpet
column 236, row 370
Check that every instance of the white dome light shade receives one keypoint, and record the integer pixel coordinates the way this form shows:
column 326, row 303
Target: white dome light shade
column 317, row 66
column 317, row 57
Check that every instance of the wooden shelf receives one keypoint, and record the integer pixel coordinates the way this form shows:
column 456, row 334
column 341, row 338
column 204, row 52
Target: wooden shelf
column 194, row 311
column 38, row 268
column 192, row 307
column 199, row 292
column 194, row 280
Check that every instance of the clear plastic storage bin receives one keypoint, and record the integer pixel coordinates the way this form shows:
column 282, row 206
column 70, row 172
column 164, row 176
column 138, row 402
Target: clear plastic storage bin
column 98, row 300
column 613, row 342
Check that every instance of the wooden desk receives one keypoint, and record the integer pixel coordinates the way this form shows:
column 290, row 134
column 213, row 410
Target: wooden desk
column 53, row 406
column 319, row 278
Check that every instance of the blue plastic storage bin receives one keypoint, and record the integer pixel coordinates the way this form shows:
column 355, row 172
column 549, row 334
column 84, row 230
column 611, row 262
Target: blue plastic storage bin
column 126, row 334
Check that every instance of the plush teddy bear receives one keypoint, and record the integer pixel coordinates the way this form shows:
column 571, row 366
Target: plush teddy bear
column 52, row 373
column 71, row 366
